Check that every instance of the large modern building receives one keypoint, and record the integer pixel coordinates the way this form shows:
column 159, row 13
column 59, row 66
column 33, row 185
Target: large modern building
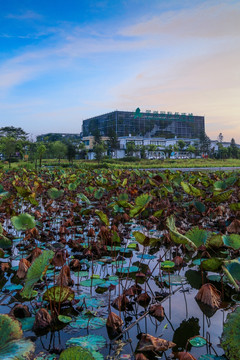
column 148, row 124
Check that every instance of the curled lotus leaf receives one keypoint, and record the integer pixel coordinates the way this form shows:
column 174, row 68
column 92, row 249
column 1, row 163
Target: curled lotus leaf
column 23, row 222
column 176, row 236
column 103, row 217
column 20, row 350
column 12, row 346
column 9, row 329
column 36, row 271
column 59, row 294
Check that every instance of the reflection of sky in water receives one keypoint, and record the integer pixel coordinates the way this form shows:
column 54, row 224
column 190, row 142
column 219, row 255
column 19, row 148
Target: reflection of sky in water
column 181, row 306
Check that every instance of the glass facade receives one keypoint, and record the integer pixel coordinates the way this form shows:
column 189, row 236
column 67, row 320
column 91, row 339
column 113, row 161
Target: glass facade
column 147, row 124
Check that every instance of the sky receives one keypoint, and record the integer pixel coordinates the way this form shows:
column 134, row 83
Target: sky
column 65, row 61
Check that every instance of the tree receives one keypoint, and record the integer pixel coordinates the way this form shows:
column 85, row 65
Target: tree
column 82, row 150
column 97, row 136
column 143, row 151
column 71, row 152
column 168, row 150
column 220, row 138
column 130, row 148
column 113, row 141
column 41, row 149
column 13, row 132
column 99, row 150
column 191, row 149
column 205, row 143
column 8, row 147
column 59, row 150
column 233, row 149
column 181, row 144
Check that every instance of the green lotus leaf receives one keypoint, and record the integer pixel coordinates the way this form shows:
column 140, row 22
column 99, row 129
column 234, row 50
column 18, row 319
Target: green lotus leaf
column 72, row 186
column 10, row 329
column 88, row 301
column 231, row 180
column 221, row 197
column 17, row 350
column 200, row 206
column 191, row 190
column 84, row 198
column 92, row 282
column 175, row 280
column 5, row 242
column 126, row 270
column 197, row 341
column 232, row 241
column 23, row 222
column 197, row 236
column 76, row 353
column 158, row 213
column 81, row 273
column 143, row 200
column 54, row 193
column 167, row 264
column 59, row 294
column 214, row 241
column 89, row 342
column 103, row 217
column 220, row 185
column 230, row 335
column 99, row 193
column 140, row 237
column 176, row 236
column 27, row 323
column 65, row 319
column 86, row 322
column 212, row 264
column 235, row 206
column 35, row 272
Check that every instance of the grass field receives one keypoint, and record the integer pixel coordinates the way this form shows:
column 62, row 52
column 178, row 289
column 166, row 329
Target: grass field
column 138, row 164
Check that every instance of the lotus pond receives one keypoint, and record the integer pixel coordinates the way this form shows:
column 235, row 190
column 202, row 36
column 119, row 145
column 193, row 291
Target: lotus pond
column 119, row 265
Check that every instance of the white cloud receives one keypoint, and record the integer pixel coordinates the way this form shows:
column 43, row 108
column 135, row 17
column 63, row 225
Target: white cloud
column 28, row 15
column 219, row 20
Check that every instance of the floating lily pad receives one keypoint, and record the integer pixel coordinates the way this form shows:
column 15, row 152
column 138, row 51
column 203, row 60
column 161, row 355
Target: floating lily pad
column 125, row 270
column 86, row 322
column 197, row 341
column 88, row 301
column 90, row 342
column 174, row 279
column 146, row 256
column 92, row 282
column 59, row 294
column 65, row 319
column 167, row 264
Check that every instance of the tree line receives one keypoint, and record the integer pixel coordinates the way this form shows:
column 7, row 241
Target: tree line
column 16, row 145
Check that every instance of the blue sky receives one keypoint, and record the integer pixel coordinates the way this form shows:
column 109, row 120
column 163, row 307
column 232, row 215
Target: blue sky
column 64, row 61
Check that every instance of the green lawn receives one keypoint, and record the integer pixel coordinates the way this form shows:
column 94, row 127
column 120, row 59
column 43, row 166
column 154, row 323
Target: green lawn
column 139, row 164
